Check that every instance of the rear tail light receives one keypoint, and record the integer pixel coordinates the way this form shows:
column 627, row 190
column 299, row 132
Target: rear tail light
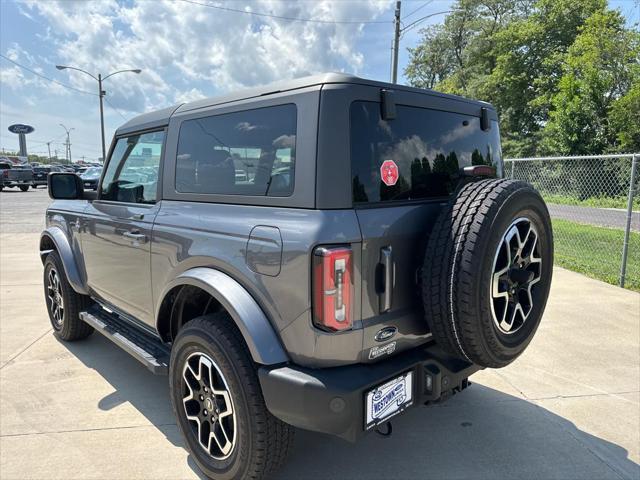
column 333, row 288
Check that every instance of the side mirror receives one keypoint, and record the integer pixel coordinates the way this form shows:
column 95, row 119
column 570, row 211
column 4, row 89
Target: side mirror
column 65, row 186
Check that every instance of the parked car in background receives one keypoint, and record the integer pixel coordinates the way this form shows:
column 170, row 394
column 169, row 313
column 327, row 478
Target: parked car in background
column 12, row 175
column 40, row 174
column 90, row 178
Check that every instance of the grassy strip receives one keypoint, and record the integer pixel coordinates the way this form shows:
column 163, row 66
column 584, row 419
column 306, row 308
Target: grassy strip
column 596, row 252
column 597, row 202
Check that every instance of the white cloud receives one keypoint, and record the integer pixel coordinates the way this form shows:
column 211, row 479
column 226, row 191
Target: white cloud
column 188, row 51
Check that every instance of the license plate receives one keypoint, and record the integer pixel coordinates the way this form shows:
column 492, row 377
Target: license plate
column 389, row 399
column 87, row 184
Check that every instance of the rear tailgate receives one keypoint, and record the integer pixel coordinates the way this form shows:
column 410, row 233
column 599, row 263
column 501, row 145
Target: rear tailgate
column 403, row 171
column 394, row 239
column 18, row 174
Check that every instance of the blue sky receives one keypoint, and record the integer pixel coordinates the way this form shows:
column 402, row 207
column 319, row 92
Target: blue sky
column 186, row 51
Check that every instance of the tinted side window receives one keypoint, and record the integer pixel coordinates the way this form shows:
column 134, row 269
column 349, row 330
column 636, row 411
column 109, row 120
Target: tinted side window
column 428, row 147
column 242, row 153
column 132, row 172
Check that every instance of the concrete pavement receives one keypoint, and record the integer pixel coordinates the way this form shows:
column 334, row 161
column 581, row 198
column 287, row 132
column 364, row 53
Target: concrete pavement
column 568, row 408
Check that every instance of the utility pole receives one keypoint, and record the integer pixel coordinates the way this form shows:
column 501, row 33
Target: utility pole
column 396, row 43
column 49, row 148
column 399, row 30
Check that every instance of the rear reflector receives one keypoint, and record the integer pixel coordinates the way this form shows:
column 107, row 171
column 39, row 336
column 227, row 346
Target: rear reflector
column 332, row 288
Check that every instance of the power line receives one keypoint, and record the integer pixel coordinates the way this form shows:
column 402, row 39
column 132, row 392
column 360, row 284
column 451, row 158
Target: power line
column 117, row 111
column 290, row 19
column 418, row 9
column 47, row 78
column 414, row 24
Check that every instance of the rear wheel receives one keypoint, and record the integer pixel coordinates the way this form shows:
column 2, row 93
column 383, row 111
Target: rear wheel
column 218, row 402
column 24, row 188
column 63, row 303
column 487, row 271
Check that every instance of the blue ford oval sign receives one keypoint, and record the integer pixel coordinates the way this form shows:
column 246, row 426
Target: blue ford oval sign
column 385, row 334
column 20, row 128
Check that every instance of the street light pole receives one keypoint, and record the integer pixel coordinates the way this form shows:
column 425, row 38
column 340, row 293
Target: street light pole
column 68, row 151
column 49, row 148
column 101, row 94
column 401, row 30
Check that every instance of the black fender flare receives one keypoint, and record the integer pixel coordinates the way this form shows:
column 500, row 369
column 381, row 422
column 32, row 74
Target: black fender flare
column 61, row 242
column 256, row 329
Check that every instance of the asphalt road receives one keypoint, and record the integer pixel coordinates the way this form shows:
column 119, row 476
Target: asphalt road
column 604, row 217
column 568, row 408
column 23, row 212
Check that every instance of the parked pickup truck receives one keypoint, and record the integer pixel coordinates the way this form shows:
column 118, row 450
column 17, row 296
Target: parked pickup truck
column 12, row 175
column 324, row 253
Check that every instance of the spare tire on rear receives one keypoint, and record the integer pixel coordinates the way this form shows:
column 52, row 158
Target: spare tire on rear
column 487, row 271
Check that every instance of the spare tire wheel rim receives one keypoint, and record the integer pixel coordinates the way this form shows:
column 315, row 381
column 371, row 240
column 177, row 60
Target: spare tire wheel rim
column 208, row 405
column 517, row 268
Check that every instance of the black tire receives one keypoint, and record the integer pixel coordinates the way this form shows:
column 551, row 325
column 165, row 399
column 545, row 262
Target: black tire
column 262, row 442
column 467, row 307
column 24, row 188
column 67, row 326
column 34, row 186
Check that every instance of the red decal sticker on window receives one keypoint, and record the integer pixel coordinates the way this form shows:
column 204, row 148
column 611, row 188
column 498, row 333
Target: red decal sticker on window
column 389, row 172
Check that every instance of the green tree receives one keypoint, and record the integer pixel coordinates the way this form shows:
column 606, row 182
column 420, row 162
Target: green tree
column 544, row 64
column 625, row 119
column 598, row 71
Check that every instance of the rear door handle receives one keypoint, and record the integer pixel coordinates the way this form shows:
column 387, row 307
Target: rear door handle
column 135, row 236
column 388, row 274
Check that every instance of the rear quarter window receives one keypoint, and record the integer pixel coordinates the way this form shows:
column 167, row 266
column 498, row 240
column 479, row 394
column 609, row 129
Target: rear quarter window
column 251, row 152
column 428, row 147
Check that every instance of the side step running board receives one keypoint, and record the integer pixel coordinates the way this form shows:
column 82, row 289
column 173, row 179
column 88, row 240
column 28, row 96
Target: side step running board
column 150, row 351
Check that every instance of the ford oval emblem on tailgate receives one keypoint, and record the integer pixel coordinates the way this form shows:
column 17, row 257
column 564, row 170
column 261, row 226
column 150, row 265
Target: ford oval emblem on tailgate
column 385, row 334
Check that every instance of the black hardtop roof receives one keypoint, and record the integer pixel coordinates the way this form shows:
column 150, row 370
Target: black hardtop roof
column 161, row 117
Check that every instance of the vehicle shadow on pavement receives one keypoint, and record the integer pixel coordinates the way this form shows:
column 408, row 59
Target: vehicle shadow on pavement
column 480, row 433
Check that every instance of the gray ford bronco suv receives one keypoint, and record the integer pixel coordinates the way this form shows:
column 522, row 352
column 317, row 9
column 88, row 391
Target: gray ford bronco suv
column 323, row 253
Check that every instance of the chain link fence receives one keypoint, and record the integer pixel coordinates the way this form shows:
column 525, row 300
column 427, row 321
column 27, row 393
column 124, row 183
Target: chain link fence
column 594, row 202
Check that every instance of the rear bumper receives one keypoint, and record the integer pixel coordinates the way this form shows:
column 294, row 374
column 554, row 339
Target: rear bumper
column 331, row 400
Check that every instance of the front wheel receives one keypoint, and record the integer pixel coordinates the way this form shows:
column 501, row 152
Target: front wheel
column 63, row 303
column 218, row 403
column 24, row 188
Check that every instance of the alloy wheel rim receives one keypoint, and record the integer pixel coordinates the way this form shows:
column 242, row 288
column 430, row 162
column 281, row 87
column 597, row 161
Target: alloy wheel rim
column 208, row 406
column 517, row 268
column 56, row 301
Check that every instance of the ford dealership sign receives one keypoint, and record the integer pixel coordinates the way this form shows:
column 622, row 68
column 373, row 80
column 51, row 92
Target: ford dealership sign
column 20, row 128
